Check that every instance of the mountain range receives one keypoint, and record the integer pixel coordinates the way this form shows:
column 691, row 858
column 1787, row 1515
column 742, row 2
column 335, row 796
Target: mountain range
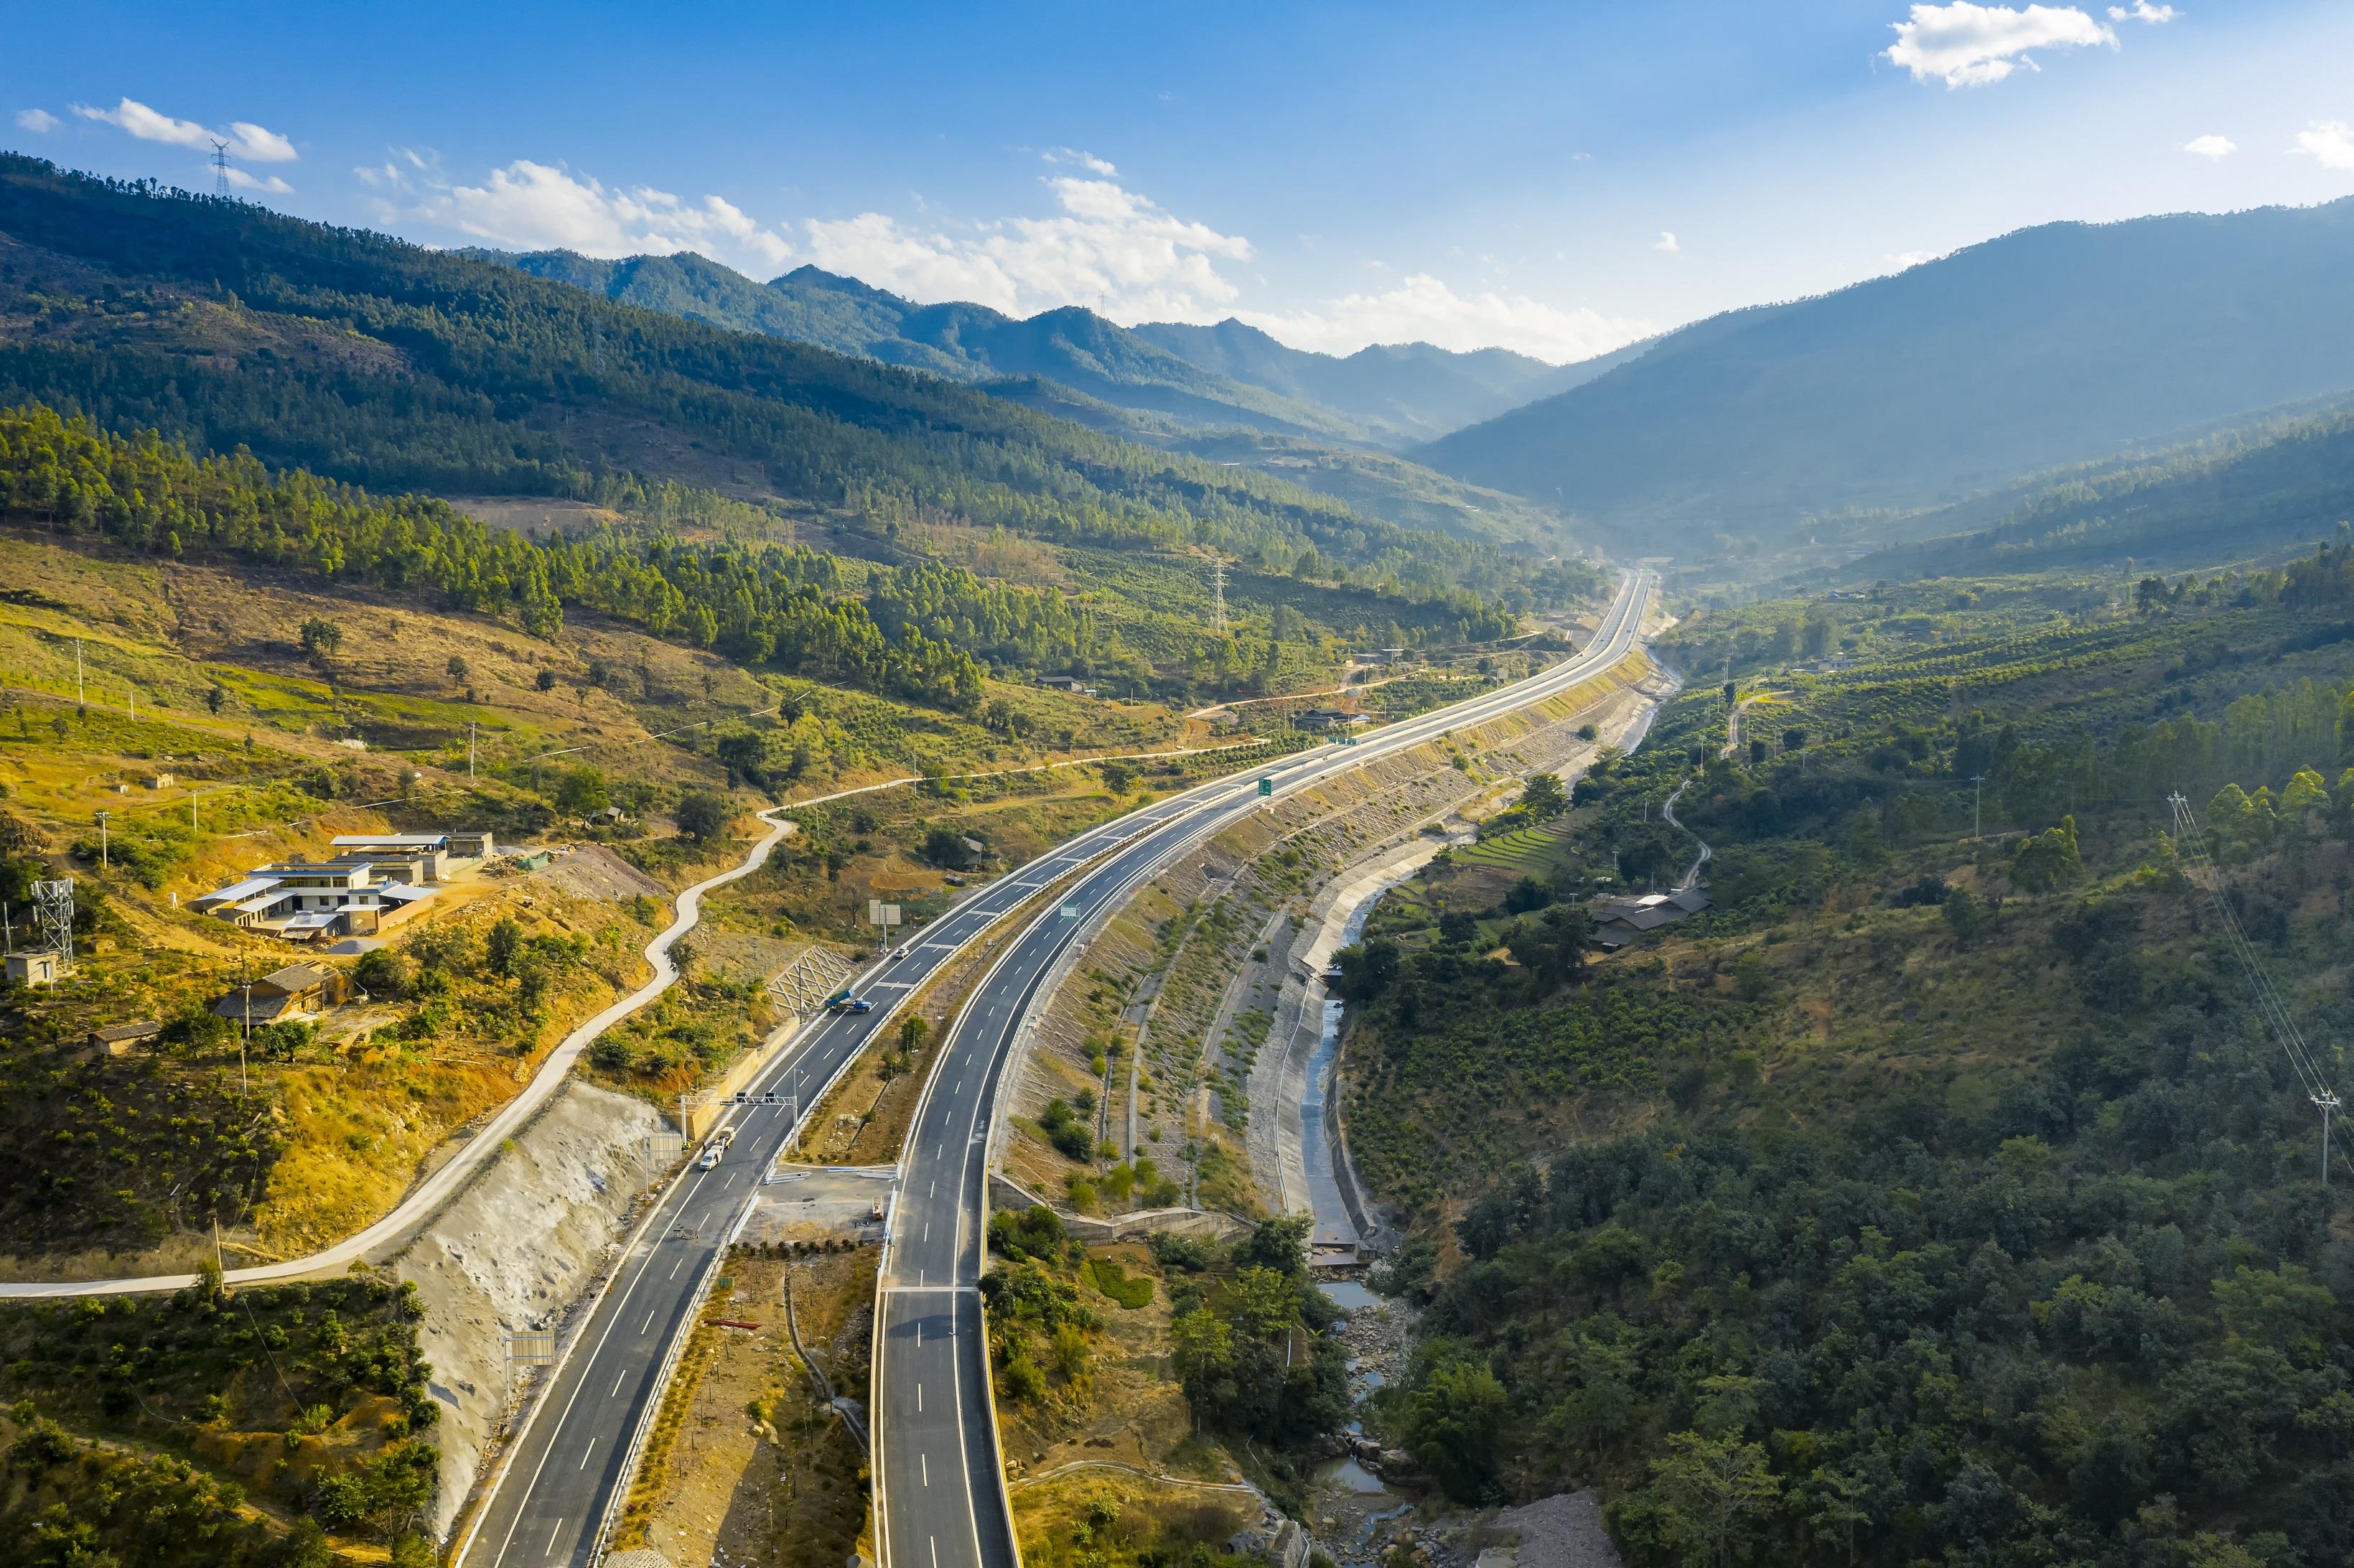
column 371, row 361
column 1227, row 375
column 2048, row 346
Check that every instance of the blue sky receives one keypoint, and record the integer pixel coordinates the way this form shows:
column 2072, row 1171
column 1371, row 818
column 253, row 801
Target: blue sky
column 1555, row 179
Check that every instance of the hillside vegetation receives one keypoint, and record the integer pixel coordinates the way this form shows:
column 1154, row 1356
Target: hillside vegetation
column 2270, row 487
column 1938, row 1195
column 2054, row 344
column 377, row 362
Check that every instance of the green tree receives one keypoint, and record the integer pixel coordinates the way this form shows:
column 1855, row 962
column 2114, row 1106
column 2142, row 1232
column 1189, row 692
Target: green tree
column 582, row 792
column 2048, row 860
column 1716, row 1494
column 744, row 752
column 1366, row 968
column 1552, row 947
column 502, row 947
column 1965, row 916
column 321, row 638
column 1453, row 1427
column 702, row 815
column 1542, row 797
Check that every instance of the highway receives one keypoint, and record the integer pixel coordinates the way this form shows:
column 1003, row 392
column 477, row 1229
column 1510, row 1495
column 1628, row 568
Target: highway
column 562, row 1472
column 940, row 1499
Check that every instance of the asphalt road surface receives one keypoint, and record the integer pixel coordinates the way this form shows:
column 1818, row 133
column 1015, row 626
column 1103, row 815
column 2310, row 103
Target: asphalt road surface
column 938, row 1495
column 562, row 1473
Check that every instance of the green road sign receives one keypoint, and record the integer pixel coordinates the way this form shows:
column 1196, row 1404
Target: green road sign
column 1265, row 788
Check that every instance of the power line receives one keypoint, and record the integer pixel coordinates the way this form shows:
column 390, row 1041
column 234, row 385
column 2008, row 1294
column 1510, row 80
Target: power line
column 2191, row 840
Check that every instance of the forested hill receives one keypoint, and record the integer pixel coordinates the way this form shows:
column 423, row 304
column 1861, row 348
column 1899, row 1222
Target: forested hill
column 368, row 360
column 2231, row 497
column 2052, row 345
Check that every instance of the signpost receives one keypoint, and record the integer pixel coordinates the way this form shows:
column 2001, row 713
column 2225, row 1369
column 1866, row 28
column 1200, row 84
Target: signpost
column 883, row 916
column 1265, row 788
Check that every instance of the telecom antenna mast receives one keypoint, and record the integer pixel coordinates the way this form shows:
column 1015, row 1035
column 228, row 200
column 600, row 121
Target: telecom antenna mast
column 53, row 918
column 220, row 168
column 2192, row 841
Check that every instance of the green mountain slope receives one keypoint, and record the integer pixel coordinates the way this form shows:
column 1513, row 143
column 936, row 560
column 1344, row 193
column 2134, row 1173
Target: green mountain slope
column 379, row 362
column 2236, row 496
column 1942, row 1185
column 2052, row 345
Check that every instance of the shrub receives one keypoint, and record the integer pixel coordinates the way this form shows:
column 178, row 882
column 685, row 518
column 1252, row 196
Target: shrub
column 1130, row 1290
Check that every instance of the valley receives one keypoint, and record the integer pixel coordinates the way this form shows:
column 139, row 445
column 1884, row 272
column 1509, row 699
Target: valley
column 1364, row 863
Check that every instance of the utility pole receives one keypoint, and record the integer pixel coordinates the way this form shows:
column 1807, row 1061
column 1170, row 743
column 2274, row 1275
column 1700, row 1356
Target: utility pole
column 79, row 700
column 1978, row 790
column 469, row 749
column 103, row 862
column 245, row 977
column 2328, row 1101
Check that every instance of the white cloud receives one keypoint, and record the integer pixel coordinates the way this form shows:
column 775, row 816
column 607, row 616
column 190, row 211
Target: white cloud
column 39, row 121
column 538, row 206
column 1086, row 160
column 2143, row 11
column 252, row 143
column 2215, row 147
column 1965, row 44
column 1108, row 249
column 1898, row 261
column 249, row 181
column 1424, row 309
column 1666, row 241
column 256, row 145
column 2329, row 142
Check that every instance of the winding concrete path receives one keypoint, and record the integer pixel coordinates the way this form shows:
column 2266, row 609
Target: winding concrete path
column 419, row 1207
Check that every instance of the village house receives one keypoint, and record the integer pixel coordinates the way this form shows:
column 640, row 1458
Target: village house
column 1619, row 920
column 1325, row 718
column 374, row 881
column 296, row 991
column 44, row 968
column 117, row 1039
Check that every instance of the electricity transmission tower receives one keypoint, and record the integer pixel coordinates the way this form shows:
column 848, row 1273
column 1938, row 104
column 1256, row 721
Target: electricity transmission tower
column 53, row 918
column 220, row 168
column 2190, row 840
column 1218, row 591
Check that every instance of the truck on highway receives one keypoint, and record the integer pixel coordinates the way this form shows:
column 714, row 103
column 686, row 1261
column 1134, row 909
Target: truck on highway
column 846, row 1001
column 715, row 1148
